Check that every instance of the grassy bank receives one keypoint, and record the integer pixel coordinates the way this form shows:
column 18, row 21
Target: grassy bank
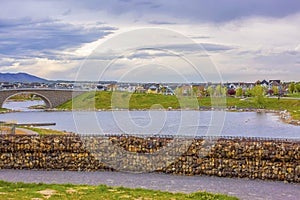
column 294, row 95
column 122, row 100
column 43, row 131
column 68, row 191
column 3, row 110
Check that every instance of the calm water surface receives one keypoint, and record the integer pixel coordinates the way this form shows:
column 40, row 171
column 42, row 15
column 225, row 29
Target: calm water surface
column 193, row 123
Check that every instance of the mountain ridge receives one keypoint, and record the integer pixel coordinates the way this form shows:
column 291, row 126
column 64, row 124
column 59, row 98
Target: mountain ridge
column 21, row 77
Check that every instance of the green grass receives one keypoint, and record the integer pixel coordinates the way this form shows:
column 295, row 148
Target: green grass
column 43, row 131
column 30, row 191
column 3, row 110
column 295, row 95
column 123, row 100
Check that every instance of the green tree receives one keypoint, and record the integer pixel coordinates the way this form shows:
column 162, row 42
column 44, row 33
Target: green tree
column 248, row 92
column 275, row 90
column 163, row 90
column 258, row 94
column 297, row 87
column 178, row 91
column 239, row 92
column 292, row 87
column 220, row 91
column 224, row 91
column 195, row 91
column 210, row 90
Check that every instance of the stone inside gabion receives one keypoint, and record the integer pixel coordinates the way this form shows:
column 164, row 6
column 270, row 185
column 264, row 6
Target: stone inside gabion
column 251, row 158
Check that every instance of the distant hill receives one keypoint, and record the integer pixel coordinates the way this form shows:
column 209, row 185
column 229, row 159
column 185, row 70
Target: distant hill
column 20, row 77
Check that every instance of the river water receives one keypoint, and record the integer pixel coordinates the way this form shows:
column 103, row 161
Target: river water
column 159, row 122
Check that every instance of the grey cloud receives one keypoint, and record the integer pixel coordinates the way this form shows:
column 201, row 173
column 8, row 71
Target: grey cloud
column 192, row 10
column 216, row 47
column 226, row 10
column 30, row 37
column 67, row 12
column 6, row 63
column 200, row 37
column 160, row 22
column 197, row 10
column 152, row 11
column 163, row 51
column 194, row 47
column 146, row 55
column 277, row 60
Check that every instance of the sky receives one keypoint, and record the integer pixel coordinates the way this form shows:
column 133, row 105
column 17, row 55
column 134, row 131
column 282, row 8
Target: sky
column 143, row 40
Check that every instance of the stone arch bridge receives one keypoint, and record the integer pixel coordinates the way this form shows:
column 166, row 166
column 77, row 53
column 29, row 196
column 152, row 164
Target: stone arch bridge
column 51, row 97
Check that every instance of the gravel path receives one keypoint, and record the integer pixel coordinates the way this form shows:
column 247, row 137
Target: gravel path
column 242, row 188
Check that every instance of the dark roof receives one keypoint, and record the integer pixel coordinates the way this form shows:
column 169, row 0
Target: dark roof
column 274, row 81
column 264, row 82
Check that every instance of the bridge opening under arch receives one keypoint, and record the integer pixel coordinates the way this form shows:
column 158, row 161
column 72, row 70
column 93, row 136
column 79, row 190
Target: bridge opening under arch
column 16, row 101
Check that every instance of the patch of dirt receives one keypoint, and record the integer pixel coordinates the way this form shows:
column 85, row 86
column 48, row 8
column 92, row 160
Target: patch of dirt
column 70, row 191
column 125, row 196
column 3, row 193
column 47, row 193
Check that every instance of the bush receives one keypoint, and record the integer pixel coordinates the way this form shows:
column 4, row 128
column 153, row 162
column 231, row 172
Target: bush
column 231, row 92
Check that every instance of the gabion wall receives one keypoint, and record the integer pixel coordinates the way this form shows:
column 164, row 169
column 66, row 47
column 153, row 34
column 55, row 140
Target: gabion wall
column 273, row 159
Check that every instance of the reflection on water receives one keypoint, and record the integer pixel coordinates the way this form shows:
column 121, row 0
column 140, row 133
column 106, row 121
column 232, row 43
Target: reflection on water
column 23, row 105
column 248, row 124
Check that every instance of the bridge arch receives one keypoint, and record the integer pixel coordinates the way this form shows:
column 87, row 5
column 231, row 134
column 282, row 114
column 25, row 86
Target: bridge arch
column 51, row 97
column 44, row 98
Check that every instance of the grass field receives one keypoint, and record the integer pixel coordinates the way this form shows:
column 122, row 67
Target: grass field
column 295, row 95
column 26, row 191
column 122, row 100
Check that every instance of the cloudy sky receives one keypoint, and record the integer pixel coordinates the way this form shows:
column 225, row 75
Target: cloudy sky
column 143, row 40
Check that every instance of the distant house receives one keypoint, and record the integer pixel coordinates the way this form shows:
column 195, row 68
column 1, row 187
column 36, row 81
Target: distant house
column 274, row 83
column 264, row 83
column 153, row 89
column 186, row 90
column 198, row 89
column 140, row 89
column 101, row 87
column 8, row 86
column 167, row 90
column 131, row 88
column 232, row 86
column 111, row 87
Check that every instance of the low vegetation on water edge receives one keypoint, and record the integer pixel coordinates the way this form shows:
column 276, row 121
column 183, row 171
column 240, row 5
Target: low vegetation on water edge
column 43, row 131
column 68, row 191
column 3, row 110
column 106, row 100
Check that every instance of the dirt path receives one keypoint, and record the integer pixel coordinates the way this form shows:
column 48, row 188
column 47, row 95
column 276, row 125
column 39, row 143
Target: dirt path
column 242, row 188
